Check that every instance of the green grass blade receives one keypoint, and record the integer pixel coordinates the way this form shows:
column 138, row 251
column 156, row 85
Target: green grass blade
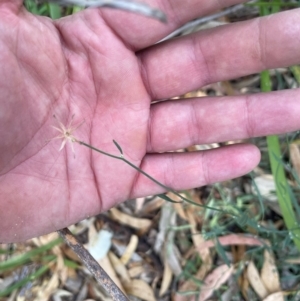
column 55, row 11
column 31, row 6
column 283, row 190
column 296, row 72
column 26, row 257
column 25, row 280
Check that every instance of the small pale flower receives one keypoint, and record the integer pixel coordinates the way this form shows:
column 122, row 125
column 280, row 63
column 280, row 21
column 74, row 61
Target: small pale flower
column 66, row 133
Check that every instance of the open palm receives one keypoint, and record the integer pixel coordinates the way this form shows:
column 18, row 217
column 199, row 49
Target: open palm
column 98, row 66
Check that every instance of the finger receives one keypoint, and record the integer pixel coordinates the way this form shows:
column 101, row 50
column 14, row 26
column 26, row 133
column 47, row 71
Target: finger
column 140, row 32
column 223, row 53
column 181, row 123
column 189, row 170
column 8, row 5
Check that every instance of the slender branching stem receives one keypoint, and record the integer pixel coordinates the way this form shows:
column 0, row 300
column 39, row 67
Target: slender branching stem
column 121, row 158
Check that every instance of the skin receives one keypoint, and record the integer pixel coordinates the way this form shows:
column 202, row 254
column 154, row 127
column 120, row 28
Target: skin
column 102, row 66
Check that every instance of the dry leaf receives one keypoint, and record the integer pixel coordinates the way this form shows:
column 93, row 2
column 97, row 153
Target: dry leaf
column 61, row 295
column 60, row 268
column 167, row 279
column 234, row 239
column 244, row 284
column 108, row 267
column 153, row 205
column 269, row 273
column 255, row 280
column 48, row 288
column 198, row 240
column 179, row 207
column 136, row 271
column 180, row 211
column 133, row 222
column 214, row 280
column 70, row 254
column 295, row 157
column 164, row 244
column 279, row 296
column 45, row 239
column 141, row 289
column 120, row 268
column 167, row 219
column 133, row 243
column 266, row 186
column 139, row 202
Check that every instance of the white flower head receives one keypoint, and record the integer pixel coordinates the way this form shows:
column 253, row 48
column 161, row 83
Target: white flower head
column 66, row 133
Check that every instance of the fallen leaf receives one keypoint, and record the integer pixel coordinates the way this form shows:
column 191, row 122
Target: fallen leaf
column 167, row 279
column 139, row 202
column 48, row 289
column 131, row 247
column 120, row 268
column 136, row 271
column 164, row 243
column 279, row 296
column 295, row 157
column 233, row 239
column 153, row 205
column 269, row 273
column 167, row 219
column 197, row 237
column 141, row 289
column 214, row 280
column 133, row 222
column 109, row 268
column 255, row 281
column 179, row 208
column 244, row 284
column 198, row 240
column 265, row 184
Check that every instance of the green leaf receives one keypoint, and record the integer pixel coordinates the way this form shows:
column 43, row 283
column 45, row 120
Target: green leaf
column 55, row 11
column 221, row 251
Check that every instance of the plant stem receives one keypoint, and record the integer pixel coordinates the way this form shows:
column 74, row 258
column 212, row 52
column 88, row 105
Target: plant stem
column 283, row 189
column 121, row 157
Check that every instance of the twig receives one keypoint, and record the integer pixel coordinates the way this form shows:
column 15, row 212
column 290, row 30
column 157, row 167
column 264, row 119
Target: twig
column 204, row 20
column 93, row 266
column 128, row 5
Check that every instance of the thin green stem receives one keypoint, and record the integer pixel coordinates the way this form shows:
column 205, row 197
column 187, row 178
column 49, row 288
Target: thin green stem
column 121, row 158
column 283, row 189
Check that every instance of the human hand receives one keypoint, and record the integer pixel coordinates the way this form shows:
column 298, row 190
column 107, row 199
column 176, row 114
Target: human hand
column 98, row 66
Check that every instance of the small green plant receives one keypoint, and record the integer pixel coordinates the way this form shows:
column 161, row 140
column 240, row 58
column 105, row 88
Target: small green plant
column 283, row 189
